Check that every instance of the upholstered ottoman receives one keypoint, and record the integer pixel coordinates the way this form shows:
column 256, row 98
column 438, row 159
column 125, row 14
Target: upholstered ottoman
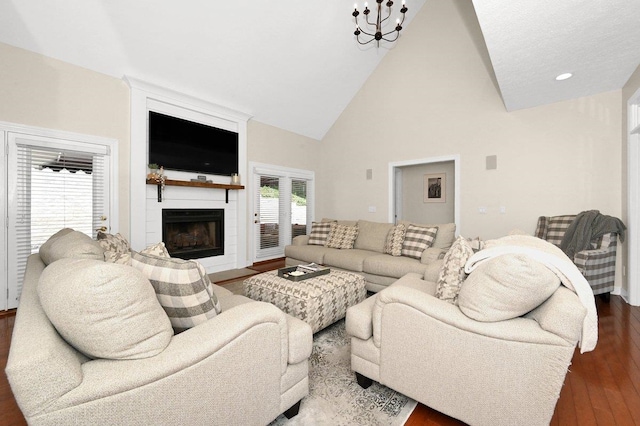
column 318, row 301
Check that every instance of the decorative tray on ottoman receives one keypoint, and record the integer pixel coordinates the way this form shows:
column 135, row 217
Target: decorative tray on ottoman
column 302, row 272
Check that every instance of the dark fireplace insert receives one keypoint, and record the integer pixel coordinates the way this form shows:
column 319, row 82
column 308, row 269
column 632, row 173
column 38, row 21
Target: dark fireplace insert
column 193, row 233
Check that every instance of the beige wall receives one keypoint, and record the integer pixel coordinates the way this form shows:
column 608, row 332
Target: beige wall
column 629, row 89
column 414, row 208
column 434, row 95
column 272, row 145
column 44, row 92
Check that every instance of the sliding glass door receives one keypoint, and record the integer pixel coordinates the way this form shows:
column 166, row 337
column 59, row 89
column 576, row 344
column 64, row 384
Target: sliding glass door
column 281, row 209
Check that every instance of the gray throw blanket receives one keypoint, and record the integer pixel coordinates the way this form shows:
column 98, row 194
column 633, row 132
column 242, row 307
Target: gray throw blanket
column 586, row 227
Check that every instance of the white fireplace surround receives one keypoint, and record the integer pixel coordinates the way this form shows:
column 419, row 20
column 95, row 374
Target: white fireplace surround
column 146, row 211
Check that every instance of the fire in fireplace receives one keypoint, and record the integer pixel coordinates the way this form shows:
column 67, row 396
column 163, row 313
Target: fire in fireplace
column 193, row 233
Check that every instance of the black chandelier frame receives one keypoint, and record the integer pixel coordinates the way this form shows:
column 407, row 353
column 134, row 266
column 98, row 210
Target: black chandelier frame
column 378, row 35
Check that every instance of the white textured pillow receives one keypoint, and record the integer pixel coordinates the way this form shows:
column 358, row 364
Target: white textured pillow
column 157, row 249
column 119, row 258
column 69, row 243
column 395, row 238
column 452, row 273
column 45, row 248
column 116, row 243
column 104, row 310
column 506, row 287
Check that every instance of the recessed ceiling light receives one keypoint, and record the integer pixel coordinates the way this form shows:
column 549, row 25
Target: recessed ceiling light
column 564, row 76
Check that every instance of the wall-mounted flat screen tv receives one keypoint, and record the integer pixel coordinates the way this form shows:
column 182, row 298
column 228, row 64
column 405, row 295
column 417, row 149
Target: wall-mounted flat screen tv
column 178, row 144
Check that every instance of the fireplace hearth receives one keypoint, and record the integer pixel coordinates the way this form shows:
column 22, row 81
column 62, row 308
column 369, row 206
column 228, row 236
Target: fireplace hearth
column 193, row 233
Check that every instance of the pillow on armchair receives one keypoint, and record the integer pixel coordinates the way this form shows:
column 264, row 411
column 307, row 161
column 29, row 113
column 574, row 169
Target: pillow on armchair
column 506, row 287
column 69, row 243
column 104, row 310
column 452, row 272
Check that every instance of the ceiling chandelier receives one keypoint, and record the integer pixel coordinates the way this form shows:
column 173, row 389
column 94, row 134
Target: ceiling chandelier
column 378, row 34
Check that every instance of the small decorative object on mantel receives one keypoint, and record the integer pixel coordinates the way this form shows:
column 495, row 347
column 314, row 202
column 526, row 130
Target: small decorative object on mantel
column 156, row 174
column 202, row 178
column 235, row 179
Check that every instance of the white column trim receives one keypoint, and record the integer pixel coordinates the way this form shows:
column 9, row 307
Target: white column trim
column 142, row 93
column 632, row 295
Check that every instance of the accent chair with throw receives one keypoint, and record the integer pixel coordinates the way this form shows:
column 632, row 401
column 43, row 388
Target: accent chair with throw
column 590, row 240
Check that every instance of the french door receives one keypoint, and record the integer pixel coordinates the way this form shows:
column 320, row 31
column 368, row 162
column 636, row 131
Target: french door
column 51, row 184
column 282, row 208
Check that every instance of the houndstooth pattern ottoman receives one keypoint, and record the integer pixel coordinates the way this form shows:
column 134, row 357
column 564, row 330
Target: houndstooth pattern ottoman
column 318, row 301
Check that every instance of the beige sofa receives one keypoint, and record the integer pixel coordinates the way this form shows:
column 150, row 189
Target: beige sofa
column 245, row 366
column 368, row 258
column 499, row 372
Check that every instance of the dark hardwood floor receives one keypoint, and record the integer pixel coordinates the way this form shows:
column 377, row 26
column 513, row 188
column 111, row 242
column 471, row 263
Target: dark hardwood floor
column 268, row 265
column 602, row 387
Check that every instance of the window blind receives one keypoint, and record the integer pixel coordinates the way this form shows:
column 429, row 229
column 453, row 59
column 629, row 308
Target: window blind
column 55, row 189
column 299, row 212
column 270, row 202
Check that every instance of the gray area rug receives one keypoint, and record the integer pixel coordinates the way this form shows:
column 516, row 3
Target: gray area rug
column 335, row 398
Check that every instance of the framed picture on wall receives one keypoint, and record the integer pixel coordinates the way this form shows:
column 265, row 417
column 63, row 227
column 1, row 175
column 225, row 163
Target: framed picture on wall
column 435, row 188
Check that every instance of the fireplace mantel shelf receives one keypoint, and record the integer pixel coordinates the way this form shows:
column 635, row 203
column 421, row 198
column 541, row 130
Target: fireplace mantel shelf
column 170, row 182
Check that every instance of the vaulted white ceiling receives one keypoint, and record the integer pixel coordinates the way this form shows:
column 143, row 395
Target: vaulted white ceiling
column 294, row 64
column 532, row 42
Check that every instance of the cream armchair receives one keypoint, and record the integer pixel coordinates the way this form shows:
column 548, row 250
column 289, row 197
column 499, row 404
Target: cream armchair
column 506, row 372
column 243, row 367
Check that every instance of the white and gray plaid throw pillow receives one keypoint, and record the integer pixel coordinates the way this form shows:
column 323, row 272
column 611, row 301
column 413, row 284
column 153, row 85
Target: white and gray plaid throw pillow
column 183, row 289
column 417, row 239
column 319, row 233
